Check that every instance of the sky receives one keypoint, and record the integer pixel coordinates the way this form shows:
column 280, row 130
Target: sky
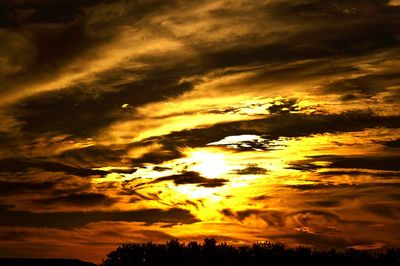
column 147, row 120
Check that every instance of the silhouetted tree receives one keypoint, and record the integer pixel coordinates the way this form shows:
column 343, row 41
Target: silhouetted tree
column 210, row 253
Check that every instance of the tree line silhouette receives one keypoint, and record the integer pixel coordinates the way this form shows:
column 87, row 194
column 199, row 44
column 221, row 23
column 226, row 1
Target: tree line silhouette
column 210, row 253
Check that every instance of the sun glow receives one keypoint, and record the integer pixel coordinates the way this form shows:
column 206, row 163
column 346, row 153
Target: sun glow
column 209, row 163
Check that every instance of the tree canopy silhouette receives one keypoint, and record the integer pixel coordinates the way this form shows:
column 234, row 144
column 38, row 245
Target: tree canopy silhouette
column 210, row 253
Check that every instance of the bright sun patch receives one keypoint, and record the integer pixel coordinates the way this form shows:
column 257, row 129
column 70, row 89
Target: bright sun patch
column 209, row 163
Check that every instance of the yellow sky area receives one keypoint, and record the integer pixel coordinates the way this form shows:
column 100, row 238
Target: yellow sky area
column 127, row 100
column 199, row 24
column 97, row 239
column 266, row 193
column 205, row 105
column 235, row 233
column 116, row 54
column 394, row 2
column 240, row 189
column 140, row 129
column 167, row 33
column 218, row 91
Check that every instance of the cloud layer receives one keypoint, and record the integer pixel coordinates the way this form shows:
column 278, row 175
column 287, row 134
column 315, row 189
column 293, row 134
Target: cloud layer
column 240, row 120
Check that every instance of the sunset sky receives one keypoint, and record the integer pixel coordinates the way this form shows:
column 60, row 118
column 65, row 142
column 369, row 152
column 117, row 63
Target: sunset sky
column 147, row 120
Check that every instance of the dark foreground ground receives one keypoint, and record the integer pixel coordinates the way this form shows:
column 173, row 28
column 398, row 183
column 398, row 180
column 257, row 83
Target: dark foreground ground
column 44, row 262
column 210, row 253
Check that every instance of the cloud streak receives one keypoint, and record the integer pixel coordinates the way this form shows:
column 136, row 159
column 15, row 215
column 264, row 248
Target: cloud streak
column 272, row 120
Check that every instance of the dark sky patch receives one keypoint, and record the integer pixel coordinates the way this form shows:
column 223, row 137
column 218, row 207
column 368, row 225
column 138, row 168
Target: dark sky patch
column 77, row 200
column 367, row 85
column 330, row 185
column 84, row 113
column 327, row 203
column 137, row 88
column 94, row 156
column 192, row 178
column 58, row 33
column 320, row 241
column 17, row 187
column 252, row 170
column 391, row 143
column 15, row 165
column 384, row 209
column 288, row 125
column 68, row 220
column 385, row 163
column 169, row 152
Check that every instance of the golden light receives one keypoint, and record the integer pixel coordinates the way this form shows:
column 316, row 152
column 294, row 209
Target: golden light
column 209, row 163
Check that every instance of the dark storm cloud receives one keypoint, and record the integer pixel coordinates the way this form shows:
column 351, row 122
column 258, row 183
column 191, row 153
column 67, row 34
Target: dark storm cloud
column 241, row 215
column 84, row 115
column 95, row 156
column 261, row 198
column 192, row 178
column 391, row 143
column 291, row 41
column 316, row 43
column 169, row 152
column 272, row 218
column 317, row 219
column 365, row 86
column 382, row 162
column 16, row 165
column 358, row 172
column 51, row 34
column 328, row 185
column 286, row 106
column 228, row 213
column 67, row 220
column 131, row 190
column 251, row 170
column 84, row 112
column 308, row 217
column 282, row 125
column 44, row 190
column 17, row 187
column 327, row 203
column 16, row 12
column 77, row 200
column 335, row 32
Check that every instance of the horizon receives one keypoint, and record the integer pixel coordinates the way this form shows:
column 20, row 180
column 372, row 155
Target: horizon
column 134, row 121
column 258, row 252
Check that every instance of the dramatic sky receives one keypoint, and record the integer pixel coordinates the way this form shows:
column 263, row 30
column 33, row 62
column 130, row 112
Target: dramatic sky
column 135, row 121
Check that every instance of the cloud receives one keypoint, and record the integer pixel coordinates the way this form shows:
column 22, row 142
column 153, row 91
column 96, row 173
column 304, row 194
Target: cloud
column 315, row 240
column 78, row 200
column 366, row 85
column 18, row 187
column 273, row 218
column 275, row 126
column 62, row 36
column 328, row 203
column 251, row 170
column 85, row 112
column 384, row 209
column 68, row 220
column 391, row 143
column 95, row 93
column 15, row 165
column 371, row 162
column 192, row 178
